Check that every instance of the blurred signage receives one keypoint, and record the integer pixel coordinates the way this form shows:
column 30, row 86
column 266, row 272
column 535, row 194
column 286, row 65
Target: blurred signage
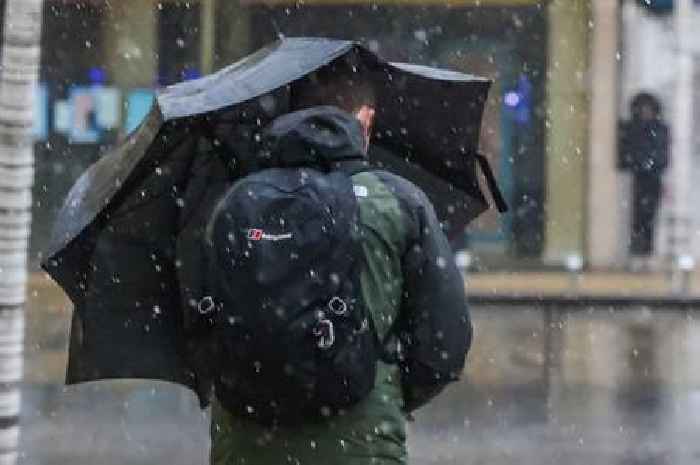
column 83, row 126
column 107, row 102
column 41, row 113
column 91, row 111
column 62, row 117
column 138, row 104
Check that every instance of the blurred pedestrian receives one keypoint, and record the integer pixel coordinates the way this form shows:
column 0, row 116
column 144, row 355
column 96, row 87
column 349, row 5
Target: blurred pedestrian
column 644, row 152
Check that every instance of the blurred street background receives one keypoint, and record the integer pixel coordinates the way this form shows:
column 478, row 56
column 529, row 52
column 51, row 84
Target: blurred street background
column 593, row 381
column 565, row 76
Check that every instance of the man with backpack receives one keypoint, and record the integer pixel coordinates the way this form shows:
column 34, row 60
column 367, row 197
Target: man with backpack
column 330, row 306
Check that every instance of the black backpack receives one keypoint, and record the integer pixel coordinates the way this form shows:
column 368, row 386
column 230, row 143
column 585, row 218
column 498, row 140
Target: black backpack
column 294, row 340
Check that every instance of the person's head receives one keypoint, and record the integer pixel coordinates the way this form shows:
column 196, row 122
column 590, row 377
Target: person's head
column 645, row 107
column 342, row 85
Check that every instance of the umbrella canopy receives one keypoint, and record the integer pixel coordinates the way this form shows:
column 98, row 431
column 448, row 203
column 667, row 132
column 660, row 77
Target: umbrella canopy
column 429, row 117
column 427, row 128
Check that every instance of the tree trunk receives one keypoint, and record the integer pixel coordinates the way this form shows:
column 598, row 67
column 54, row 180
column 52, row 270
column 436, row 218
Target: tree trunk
column 18, row 78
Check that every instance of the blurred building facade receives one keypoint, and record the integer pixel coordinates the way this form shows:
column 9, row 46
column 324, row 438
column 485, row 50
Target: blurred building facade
column 549, row 127
column 103, row 61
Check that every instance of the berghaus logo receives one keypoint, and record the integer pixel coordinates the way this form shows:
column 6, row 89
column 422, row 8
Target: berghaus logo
column 255, row 234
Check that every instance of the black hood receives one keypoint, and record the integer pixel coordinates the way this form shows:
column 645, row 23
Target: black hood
column 316, row 137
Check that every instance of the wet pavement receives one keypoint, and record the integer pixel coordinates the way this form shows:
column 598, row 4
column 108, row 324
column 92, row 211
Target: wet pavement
column 603, row 386
column 544, row 386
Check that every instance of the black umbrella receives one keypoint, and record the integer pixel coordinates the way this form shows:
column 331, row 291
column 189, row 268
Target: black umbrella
column 113, row 244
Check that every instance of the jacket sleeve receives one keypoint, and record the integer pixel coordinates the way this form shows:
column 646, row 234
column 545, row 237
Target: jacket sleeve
column 663, row 141
column 436, row 327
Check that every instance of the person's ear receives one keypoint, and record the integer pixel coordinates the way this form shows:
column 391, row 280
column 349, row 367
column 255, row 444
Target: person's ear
column 366, row 117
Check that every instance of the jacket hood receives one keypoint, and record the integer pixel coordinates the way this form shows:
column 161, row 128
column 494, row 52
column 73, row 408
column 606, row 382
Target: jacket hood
column 317, row 136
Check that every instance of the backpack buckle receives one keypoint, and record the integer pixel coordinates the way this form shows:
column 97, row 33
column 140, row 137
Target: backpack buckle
column 325, row 333
column 206, row 305
column 338, row 306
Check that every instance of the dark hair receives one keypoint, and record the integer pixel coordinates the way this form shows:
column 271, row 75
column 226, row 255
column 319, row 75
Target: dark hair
column 645, row 99
column 341, row 84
